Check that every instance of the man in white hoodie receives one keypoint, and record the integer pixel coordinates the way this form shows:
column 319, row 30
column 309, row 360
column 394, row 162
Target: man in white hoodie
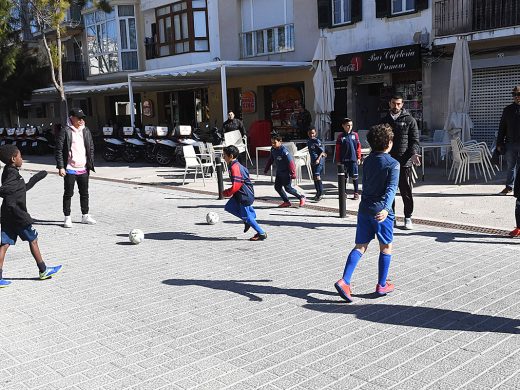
column 75, row 160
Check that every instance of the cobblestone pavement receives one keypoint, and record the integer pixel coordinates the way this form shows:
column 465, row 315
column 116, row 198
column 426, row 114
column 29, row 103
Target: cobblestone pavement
column 200, row 307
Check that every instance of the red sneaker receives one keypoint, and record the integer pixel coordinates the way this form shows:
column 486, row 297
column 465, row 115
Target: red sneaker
column 285, row 204
column 388, row 288
column 302, row 201
column 515, row 232
column 344, row 290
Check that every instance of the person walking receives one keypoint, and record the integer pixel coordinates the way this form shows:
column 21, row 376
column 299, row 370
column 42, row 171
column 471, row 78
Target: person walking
column 75, row 160
column 405, row 149
column 508, row 139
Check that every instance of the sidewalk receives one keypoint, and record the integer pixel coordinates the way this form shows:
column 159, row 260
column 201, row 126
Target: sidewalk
column 200, row 307
column 474, row 205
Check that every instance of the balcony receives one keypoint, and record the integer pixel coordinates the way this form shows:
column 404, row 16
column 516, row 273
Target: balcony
column 278, row 39
column 453, row 17
column 73, row 71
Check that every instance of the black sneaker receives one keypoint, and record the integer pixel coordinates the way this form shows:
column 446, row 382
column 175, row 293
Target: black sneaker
column 246, row 227
column 318, row 198
column 258, row 237
column 506, row 191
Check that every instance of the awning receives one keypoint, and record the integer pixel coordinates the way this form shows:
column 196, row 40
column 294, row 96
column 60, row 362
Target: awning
column 77, row 89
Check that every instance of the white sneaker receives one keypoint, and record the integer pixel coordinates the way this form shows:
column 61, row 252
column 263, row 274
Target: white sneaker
column 68, row 222
column 408, row 225
column 86, row 218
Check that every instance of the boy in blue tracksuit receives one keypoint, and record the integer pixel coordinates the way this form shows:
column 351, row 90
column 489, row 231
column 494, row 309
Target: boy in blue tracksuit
column 317, row 153
column 241, row 193
column 375, row 215
column 348, row 152
column 285, row 171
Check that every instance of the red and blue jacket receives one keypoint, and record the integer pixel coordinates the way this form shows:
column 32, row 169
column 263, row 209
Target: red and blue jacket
column 241, row 187
column 348, row 147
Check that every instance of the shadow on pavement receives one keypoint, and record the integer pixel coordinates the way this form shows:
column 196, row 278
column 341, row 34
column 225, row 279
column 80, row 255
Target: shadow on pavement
column 307, row 225
column 168, row 236
column 422, row 317
column 444, row 195
column 44, row 222
column 204, row 206
column 251, row 291
column 460, row 237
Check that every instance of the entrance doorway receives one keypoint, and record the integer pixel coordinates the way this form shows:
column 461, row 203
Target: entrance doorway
column 367, row 105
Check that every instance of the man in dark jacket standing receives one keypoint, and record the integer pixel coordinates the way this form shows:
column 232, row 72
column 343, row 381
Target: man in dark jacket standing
column 75, row 160
column 508, row 139
column 405, row 150
column 233, row 123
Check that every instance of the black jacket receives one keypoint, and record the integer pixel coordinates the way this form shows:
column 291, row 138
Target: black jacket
column 234, row 124
column 406, row 137
column 509, row 128
column 63, row 145
column 14, row 190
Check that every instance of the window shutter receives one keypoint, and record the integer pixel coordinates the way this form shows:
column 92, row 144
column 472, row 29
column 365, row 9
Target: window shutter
column 357, row 6
column 421, row 4
column 324, row 14
column 382, row 8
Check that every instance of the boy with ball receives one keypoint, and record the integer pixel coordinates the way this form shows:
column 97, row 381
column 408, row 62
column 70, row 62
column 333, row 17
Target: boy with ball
column 241, row 193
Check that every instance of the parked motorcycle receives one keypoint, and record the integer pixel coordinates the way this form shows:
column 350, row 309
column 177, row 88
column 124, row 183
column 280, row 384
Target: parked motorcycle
column 113, row 147
column 166, row 147
column 135, row 145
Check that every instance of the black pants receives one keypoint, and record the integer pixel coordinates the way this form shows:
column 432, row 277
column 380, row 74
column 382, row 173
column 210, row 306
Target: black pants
column 69, row 181
column 284, row 182
column 405, row 189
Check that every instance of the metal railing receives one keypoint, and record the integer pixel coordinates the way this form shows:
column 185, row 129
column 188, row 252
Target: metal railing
column 465, row 16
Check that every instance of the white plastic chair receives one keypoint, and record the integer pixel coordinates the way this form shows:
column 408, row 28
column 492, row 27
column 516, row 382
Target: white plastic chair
column 463, row 157
column 302, row 158
column 484, row 155
column 193, row 162
column 235, row 138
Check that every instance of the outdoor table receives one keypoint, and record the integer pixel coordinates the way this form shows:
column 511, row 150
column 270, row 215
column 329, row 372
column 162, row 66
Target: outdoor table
column 263, row 149
column 433, row 145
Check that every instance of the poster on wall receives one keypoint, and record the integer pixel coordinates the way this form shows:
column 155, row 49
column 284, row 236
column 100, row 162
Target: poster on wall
column 248, row 102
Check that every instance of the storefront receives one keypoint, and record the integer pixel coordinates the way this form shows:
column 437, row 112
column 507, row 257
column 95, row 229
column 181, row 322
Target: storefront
column 374, row 76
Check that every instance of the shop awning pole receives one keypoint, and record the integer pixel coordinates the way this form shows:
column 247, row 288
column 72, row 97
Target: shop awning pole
column 223, row 83
column 131, row 97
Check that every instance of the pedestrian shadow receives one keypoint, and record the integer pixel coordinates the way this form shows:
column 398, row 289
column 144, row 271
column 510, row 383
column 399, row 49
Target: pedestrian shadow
column 204, row 206
column 45, row 222
column 306, row 225
column 475, row 238
column 422, row 317
column 169, row 236
column 35, row 278
column 251, row 291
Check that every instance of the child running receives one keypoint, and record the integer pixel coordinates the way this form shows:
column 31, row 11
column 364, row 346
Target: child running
column 348, row 153
column 15, row 220
column 241, row 193
column 285, row 171
column 317, row 153
column 375, row 215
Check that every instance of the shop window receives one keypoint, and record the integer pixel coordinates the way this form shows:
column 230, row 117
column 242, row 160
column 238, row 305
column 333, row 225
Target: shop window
column 334, row 13
column 182, row 27
column 386, row 8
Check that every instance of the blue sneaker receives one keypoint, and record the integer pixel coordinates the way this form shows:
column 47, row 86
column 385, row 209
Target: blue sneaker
column 49, row 271
column 4, row 283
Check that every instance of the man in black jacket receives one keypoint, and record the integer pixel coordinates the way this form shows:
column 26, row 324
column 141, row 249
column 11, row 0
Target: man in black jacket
column 508, row 139
column 75, row 160
column 233, row 123
column 405, row 150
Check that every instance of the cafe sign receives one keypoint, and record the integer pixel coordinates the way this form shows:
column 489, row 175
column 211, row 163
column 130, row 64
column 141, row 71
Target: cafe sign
column 395, row 59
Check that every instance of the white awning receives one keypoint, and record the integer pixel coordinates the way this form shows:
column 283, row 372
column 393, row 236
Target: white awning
column 77, row 89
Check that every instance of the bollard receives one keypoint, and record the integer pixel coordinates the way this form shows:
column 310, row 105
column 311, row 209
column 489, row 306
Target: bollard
column 342, row 196
column 220, row 178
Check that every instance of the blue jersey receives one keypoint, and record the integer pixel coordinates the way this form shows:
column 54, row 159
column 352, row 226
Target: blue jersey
column 380, row 181
column 315, row 148
column 283, row 160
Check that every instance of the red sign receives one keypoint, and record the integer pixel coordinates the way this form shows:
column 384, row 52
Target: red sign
column 248, row 102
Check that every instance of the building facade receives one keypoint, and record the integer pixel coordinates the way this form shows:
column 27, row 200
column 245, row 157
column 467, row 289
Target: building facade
column 492, row 29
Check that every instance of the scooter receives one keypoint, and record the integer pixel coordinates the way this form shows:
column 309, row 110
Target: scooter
column 113, row 147
column 166, row 147
column 135, row 146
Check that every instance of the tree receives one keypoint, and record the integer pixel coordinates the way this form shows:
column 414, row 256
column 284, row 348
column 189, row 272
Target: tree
column 9, row 47
column 46, row 17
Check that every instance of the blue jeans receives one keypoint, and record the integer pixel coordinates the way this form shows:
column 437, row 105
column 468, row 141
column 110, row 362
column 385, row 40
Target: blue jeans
column 513, row 162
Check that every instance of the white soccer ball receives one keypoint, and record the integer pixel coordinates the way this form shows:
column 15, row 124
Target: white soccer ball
column 136, row 236
column 212, row 218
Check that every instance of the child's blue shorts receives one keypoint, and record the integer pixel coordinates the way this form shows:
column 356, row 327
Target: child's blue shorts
column 27, row 233
column 368, row 228
column 351, row 169
column 317, row 168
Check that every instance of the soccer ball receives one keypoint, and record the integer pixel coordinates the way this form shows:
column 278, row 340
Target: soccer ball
column 136, row 236
column 212, row 218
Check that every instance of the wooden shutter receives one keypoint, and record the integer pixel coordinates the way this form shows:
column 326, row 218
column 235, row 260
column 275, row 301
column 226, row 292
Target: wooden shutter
column 357, row 6
column 383, row 8
column 421, row 4
column 324, row 14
